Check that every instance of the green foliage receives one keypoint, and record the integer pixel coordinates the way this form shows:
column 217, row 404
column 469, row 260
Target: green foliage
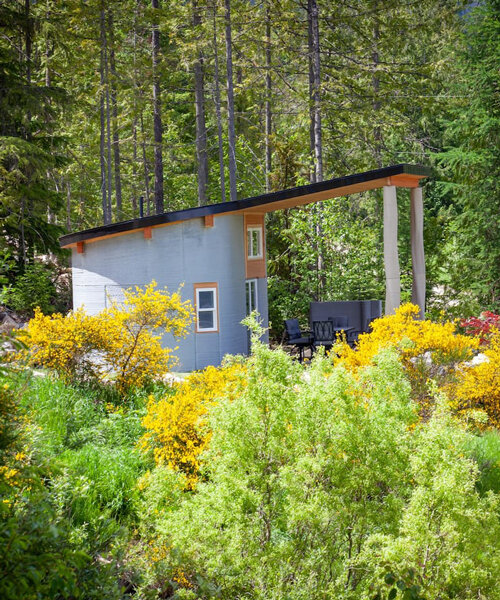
column 319, row 484
column 38, row 554
column 485, row 450
column 84, row 445
column 34, row 287
column 470, row 166
column 29, row 150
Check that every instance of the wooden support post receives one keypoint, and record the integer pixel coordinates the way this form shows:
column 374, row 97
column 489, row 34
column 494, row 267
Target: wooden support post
column 417, row 248
column 391, row 258
column 148, row 233
column 80, row 247
column 209, row 220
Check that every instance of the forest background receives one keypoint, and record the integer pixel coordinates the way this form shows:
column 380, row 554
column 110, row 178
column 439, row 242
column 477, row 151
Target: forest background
column 105, row 102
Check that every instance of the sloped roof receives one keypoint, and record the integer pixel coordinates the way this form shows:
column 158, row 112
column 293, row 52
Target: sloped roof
column 403, row 175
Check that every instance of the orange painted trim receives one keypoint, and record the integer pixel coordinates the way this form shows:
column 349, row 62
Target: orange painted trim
column 255, row 268
column 403, row 180
column 209, row 221
column 407, row 181
column 80, row 247
column 148, row 233
column 201, row 286
column 119, row 234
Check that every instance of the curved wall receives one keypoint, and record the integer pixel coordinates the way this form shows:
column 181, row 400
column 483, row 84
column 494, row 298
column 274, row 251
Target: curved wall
column 184, row 253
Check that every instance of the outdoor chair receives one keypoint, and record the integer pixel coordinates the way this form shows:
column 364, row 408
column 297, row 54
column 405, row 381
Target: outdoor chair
column 295, row 337
column 324, row 334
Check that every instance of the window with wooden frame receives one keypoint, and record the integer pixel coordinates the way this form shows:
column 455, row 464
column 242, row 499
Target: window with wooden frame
column 206, row 303
column 254, row 242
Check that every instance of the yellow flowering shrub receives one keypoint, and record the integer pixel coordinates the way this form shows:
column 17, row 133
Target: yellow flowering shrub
column 479, row 385
column 176, row 427
column 121, row 342
column 427, row 349
column 412, row 337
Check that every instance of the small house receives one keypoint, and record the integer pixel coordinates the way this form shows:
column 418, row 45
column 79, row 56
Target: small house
column 217, row 253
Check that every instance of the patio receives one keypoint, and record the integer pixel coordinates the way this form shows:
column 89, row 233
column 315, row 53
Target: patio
column 328, row 320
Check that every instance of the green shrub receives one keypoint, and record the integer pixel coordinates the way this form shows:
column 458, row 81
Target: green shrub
column 35, row 287
column 485, row 449
column 39, row 556
column 320, row 487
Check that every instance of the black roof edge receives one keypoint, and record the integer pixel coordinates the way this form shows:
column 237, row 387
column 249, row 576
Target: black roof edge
column 236, row 205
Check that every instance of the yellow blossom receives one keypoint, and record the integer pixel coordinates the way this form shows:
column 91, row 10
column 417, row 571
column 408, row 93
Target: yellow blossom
column 176, row 427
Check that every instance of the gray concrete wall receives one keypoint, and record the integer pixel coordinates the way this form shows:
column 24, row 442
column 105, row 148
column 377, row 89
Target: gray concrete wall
column 183, row 253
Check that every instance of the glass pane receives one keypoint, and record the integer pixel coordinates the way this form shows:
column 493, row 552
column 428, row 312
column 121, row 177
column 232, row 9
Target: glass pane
column 249, row 243
column 249, row 310
column 251, row 296
column 206, row 319
column 255, row 243
column 206, row 299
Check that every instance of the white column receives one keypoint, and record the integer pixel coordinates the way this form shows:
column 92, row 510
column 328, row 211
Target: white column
column 391, row 257
column 417, row 248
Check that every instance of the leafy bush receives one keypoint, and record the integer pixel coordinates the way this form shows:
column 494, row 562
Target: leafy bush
column 123, row 341
column 319, row 486
column 435, row 351
column 38, row 555
column 176, row 428
column 479, row 385
column 34, row 288
column 485, row 449
column 483, row 326
column 412, row 338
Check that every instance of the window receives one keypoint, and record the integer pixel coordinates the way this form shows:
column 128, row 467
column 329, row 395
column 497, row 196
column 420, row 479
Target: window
column 206, row 307
column 251, row 295
column 254, row 242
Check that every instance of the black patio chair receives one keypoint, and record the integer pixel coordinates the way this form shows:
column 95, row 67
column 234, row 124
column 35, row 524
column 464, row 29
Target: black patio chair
column 324, row 334
column 295, row 337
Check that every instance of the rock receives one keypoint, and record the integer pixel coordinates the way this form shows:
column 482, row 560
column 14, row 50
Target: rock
column 8, row 324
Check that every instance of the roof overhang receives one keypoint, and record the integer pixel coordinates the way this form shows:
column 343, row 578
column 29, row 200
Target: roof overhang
column 403, row 175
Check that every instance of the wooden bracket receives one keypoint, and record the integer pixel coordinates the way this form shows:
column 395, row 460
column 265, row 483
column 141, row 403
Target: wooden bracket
column 209, row 220
column 406, row 181
column 80, row 247
column 148, row 233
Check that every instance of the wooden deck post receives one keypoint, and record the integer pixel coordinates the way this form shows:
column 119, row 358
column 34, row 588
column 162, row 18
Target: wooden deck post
column 391, row 257
column 417, row 248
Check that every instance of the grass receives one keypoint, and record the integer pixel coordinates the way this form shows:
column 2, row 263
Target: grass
column 485, row 450
column 88, row 441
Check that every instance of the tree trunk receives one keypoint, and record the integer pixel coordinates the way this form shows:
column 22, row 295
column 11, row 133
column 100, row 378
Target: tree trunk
column 318, row 144
column 68, row 205
column 145, row 167
column 114, row 111
column 230, row 104
column 109, row 174
column 312, row 120
column 377, row 132
column 28, row 45
column 269, row 116
column 134, row 121
column 158, row 129
column 218, row 106
column 102, row 151
column 201, row 130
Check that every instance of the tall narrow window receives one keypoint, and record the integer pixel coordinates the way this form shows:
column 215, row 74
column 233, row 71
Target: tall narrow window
column 206, row 307
column 251, row 294
column 254, row 242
